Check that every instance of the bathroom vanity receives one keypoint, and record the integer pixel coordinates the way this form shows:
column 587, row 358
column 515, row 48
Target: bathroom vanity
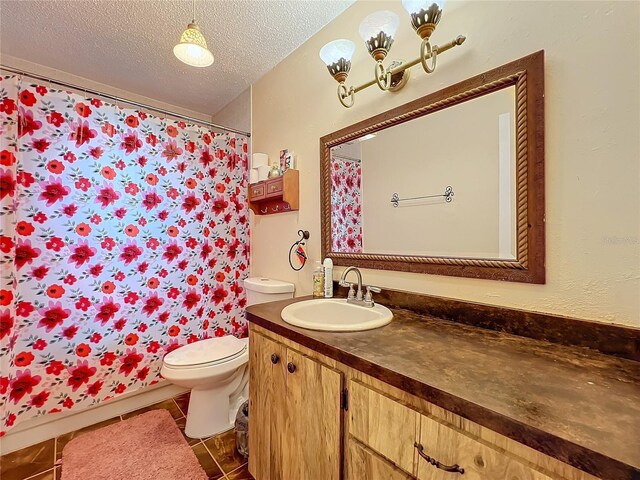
column 425, row 398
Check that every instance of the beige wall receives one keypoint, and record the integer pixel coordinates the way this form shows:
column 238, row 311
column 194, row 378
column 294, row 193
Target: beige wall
column 409, row 160
column 237, row 113
column 592, row 158
column 59, row 75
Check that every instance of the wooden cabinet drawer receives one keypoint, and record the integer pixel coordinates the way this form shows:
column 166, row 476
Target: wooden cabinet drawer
column 363, row 464
column 257, row 191
column 384, row 425
column 451, row 447
column 274, row 187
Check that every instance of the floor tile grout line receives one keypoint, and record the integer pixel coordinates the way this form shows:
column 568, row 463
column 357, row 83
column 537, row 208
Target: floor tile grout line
column 179, row 409
column 40, row 473
column 238, row 468
column 224, row 474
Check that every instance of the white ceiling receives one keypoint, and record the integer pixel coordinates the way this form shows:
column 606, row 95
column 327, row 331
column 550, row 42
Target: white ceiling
column 128, row 43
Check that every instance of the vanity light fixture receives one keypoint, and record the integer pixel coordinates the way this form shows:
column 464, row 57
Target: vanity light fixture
column 192, row 48
column 378, row 30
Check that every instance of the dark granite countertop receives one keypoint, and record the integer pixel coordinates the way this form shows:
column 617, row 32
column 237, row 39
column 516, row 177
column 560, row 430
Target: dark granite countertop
column 574, row 404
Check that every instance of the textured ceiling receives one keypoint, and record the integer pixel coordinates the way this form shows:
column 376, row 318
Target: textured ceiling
column 128, row 43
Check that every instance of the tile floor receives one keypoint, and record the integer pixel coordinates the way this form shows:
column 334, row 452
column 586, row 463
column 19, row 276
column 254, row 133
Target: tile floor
column 217, row 455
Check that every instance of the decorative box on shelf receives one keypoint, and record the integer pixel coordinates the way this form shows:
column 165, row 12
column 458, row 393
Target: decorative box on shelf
column 275, row 195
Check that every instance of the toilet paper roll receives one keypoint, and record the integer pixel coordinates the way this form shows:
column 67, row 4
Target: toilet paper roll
column 254, row 175
column 263, row 172
column 259, row 160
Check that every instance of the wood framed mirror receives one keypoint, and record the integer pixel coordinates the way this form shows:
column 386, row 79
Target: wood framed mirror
column 449, row 184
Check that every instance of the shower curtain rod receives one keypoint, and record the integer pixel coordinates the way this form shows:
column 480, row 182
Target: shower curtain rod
column 121, row 100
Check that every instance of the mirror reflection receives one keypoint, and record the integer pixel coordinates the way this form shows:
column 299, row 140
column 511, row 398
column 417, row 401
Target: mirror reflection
column 439, row 185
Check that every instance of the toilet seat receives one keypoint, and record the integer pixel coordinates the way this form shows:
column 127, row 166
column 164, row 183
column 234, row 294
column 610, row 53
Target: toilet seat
column 206, row 353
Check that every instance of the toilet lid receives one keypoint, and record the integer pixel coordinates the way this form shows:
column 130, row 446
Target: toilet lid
column 210, row 351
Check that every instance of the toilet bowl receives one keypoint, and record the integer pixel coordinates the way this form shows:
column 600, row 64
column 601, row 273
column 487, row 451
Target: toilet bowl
column 216, row 371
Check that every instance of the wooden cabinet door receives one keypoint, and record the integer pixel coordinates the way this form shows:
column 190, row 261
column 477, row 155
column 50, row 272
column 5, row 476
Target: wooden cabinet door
column 364, row 464
column 312, row 433
column 448, row 446
column 267, row 391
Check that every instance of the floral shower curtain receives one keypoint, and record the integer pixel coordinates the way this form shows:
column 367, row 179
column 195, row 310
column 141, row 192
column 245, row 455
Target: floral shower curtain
column 122, row 236
column 346, row 205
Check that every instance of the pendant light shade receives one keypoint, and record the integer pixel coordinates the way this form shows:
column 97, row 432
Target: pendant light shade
column 192, row 48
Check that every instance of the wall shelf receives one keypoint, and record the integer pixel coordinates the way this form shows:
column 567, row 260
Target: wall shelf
column 275, row 195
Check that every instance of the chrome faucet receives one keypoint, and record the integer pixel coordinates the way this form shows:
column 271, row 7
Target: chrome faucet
column 357, row 297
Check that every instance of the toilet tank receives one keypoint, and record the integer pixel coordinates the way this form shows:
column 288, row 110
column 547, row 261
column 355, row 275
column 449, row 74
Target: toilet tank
column 262, row 290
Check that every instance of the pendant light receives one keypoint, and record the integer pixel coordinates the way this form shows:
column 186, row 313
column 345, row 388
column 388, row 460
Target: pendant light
column 192, row 48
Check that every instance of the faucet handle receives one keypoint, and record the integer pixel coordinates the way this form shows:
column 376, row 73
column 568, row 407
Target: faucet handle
column 352, row 291
column 368, row 296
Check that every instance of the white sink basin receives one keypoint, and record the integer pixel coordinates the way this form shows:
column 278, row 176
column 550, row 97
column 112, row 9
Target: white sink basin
column 335, row 315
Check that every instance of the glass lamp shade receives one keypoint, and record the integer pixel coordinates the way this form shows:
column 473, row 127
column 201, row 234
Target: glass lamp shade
column 383, row 21
column 414, row 6
column 192, row 48
column 332, row 52
column 425, row 15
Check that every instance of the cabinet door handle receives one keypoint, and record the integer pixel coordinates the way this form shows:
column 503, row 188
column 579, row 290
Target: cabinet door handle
column 291, row 367
column 274, row 358
column 447, row 468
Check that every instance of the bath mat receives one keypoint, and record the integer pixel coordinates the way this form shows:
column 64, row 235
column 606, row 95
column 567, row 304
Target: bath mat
column 149, row 446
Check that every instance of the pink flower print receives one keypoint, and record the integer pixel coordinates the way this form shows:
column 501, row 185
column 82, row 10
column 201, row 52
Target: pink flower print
column 131, row 298
column 205, row 157
column 129, row 253
column 55, row 244
column 106, row 310
column 189, row 203
column 191, row 299
column 152, row 304
column 108, row 243
column 25, row 253
column 55, row 367
column 24, row 309
column 171, row 150
column 53, row 191
column 131, row 189
column 96, row 152
column 39, row 400
column 151, row 139
column 130, row 361
column 6, row 323
column 80, row 374
column 26, row 124
column 120, row 213
column 82, row 133
column 152, row 243
column 52, row 316
column 95, row 388
column 219, row 294
column 82, row 253
column 151, row 200
column 40, row 145
column 7, row 183
column 219, row 205
column 172, row 193
column 171, row 252
column 96, row 270
column 107, row 196
column 130, row 142
column 23, row 178
column 22, row 384
column 69, row 210
column 83, row 184
column 205, row 250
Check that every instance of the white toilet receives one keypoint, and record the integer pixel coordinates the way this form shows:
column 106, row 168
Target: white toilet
column 216, row 370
